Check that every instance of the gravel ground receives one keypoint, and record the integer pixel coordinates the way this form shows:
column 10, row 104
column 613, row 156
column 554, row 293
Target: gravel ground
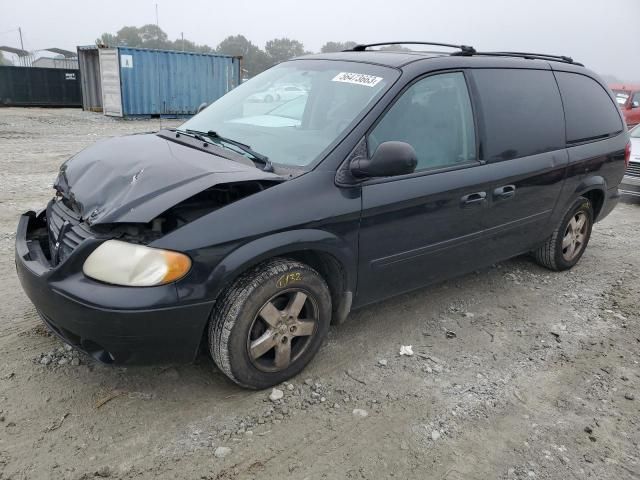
column 516, row 372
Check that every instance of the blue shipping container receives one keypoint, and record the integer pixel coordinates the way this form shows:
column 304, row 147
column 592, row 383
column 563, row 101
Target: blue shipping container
column 140, row 82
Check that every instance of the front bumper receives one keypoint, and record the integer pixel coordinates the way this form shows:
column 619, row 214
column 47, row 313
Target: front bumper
column 111, row 323
column 630, row 186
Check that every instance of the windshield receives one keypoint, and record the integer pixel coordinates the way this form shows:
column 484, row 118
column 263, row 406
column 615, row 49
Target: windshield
column 295, row 111
column 621, row 96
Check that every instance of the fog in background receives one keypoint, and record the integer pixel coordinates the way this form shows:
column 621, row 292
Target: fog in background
column 603, row 35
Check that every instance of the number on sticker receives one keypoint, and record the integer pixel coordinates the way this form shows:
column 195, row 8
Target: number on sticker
column 357, row 79
column 288, row 278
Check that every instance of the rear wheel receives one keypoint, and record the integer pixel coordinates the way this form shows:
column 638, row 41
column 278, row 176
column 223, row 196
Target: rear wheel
column 270, row 323
column 565, row 246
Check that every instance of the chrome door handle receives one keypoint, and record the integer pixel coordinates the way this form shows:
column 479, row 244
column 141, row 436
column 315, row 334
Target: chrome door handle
column 474, row 199
column 504, row 192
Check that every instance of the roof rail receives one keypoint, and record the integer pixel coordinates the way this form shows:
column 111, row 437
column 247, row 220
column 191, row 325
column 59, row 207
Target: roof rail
column 531, row 56
column 464, row 49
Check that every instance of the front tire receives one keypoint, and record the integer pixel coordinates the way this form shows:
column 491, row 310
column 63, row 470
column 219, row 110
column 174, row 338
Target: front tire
column 270, row 323
column 567, row 243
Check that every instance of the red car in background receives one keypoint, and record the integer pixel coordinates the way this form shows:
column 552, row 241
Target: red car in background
column 628, row 98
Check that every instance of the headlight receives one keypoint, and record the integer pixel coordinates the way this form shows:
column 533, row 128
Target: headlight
column 123, row 263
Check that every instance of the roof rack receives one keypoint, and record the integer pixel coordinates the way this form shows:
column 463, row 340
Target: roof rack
column 532, row 56
column 464, row 49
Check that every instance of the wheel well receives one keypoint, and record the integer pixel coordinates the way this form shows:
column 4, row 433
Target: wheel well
column 325, row 264
column 596, row 197
column 329, row 268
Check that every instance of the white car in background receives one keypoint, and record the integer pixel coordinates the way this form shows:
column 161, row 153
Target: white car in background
column 630, row 185
column 288, row 114
column 278, row 93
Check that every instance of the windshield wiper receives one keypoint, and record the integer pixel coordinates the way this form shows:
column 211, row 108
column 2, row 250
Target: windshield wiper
column 263, row 160
column 191, row 133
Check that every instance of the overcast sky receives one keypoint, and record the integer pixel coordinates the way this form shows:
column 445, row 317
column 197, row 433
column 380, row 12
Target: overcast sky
column 602, row 34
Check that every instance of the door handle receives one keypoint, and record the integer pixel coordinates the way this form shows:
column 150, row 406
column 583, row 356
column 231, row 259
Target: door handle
column 476, row 199
column 504, row 192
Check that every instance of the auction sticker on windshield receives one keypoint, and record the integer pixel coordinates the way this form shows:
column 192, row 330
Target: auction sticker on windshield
column 357, row 79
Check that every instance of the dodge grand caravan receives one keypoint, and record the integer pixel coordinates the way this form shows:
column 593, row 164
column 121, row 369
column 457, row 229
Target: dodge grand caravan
column 252, row 226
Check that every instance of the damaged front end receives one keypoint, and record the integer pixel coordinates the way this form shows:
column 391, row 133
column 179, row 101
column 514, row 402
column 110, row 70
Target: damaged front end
column 85, row 259
column 60, row 228
column 137, row 189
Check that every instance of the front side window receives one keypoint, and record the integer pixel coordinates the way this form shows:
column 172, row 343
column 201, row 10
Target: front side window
column 589, row 111
column 297, row 110
column 434, row 116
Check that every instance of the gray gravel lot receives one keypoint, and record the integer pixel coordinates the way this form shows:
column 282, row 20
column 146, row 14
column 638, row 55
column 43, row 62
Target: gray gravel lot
column 541, row 379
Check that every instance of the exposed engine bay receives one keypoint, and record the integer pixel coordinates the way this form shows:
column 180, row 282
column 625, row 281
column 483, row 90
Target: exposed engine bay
column 61, row 228
column 184, row 212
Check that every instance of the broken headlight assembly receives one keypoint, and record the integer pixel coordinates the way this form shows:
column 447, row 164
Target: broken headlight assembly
column 132, row 265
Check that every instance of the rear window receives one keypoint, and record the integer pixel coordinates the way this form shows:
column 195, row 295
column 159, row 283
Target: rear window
column 588, row 108
column 522, row 113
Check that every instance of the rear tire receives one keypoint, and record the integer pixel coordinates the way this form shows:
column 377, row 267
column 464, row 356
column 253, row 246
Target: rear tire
column 270, row 323
column 564, row 248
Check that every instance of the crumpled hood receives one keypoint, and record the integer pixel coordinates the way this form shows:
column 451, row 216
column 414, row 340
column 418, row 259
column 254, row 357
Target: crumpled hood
column 137, row 177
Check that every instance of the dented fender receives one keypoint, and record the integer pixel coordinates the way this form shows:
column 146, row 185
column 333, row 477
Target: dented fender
column 250, row 254
column 279, row 245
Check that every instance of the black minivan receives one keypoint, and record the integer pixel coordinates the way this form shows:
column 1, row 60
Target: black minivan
column 324, row 184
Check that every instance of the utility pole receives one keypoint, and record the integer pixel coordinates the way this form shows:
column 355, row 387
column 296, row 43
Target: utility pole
column 24, row 60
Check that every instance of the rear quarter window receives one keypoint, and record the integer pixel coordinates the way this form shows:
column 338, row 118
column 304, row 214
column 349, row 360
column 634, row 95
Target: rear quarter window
column 521, row 112
column 589, row 110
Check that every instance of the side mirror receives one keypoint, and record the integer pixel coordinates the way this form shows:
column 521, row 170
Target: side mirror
column 389, row 159
column 202, row 106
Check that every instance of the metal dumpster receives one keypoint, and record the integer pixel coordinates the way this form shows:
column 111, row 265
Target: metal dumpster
column 39, row 87
column 142, row 82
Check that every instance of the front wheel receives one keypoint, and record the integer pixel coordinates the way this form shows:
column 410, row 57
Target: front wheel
column 567, row 243
column 270, row 323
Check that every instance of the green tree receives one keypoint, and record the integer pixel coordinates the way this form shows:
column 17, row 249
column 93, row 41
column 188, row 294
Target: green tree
column 394, row 48
column 129, row 36
column 254, row 60
column 281, row 49
column 147, row 36
column 330, row 47
column 189, row 46
column 107, row 40
column 153, row 36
